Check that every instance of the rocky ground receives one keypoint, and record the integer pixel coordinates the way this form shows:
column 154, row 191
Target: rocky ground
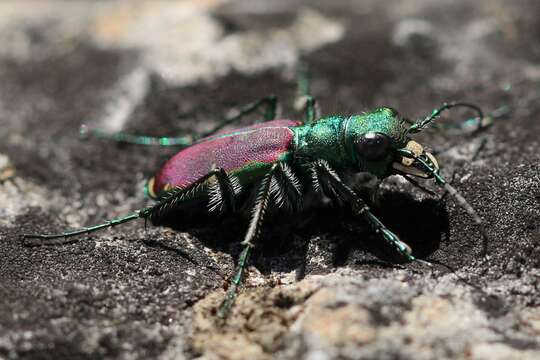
column 321, row 286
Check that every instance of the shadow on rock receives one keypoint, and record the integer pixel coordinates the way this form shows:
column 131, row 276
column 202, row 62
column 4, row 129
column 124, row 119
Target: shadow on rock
column 343, row 238
column 421, row 224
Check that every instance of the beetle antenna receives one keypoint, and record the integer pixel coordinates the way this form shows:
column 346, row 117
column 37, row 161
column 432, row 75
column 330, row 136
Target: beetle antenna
column 457, row 196
column 480, row 119
column 465, row 205
column 418, row 185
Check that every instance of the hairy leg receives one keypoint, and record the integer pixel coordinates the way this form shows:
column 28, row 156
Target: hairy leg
column 324, row 175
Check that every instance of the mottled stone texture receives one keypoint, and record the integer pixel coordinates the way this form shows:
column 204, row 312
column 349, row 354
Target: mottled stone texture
column 161, row 67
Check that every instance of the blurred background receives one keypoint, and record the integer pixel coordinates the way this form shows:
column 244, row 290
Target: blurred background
column 321, row 286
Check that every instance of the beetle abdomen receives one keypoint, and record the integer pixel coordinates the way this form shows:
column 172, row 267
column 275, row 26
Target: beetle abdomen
column 245, row 152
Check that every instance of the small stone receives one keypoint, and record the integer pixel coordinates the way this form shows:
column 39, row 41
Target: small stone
column 410, row 30
column 7, row 170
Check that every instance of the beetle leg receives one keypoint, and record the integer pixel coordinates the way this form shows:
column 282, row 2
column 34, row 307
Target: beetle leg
column 176, row 196
column 270, row 104
column 286, row 188
column 167, row 203
column 223, row 191
column 261, row 204
column 331, row 178
column 65, row 237
column 125, row 138
column 304, row 101
column 324, row 187
column 308, row 105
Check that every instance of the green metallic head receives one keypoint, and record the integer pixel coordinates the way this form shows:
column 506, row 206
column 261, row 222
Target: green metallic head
column 378, row 141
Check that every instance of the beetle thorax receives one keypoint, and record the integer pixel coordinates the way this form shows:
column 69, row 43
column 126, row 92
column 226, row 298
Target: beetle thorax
column 323, row 140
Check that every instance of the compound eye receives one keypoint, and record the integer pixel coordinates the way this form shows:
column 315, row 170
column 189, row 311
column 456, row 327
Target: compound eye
column 373, row 146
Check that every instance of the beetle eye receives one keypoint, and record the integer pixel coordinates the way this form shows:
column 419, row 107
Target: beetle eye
column 373, row 146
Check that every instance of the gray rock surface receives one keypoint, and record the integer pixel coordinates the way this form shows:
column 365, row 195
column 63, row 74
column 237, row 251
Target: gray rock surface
column 176, row 67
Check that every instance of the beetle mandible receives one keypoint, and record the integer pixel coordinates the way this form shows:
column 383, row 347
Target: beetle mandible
column 280, row 161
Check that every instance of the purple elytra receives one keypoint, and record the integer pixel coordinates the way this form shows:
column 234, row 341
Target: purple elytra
column 235, row 151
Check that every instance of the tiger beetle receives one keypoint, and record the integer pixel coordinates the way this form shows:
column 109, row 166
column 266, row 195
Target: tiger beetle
column 279, row 162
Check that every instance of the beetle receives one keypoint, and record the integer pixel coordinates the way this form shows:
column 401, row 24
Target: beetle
column 280, row 161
